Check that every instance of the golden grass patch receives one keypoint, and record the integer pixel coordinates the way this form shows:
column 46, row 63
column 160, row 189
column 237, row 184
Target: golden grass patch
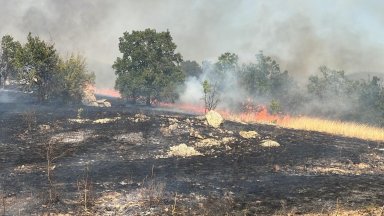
column 348, row 129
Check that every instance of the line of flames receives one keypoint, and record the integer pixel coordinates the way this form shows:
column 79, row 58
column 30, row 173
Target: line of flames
column 251, row 114
column 259, row 115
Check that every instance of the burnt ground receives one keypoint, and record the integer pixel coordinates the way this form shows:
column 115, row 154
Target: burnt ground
column 124, row 160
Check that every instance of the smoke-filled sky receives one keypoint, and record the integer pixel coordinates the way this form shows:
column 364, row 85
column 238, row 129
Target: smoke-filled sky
column 301, row 34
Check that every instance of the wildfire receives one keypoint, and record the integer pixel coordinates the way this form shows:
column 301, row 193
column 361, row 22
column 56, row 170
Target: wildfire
column 260, row 115
column 107, row 92
column 103, row 91
column 250, row 114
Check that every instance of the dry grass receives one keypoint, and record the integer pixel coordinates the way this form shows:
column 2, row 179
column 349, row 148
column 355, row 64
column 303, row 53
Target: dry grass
column 368, row 211
column 348, row 129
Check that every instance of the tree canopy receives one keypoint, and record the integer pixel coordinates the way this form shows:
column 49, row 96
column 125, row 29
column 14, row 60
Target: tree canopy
column 8, row 51
column 191, row 68
column 149, row 67
column 37, row 61
column 39, row 69
column 264, row 77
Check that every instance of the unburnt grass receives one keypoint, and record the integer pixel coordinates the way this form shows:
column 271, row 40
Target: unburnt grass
column 132, row 167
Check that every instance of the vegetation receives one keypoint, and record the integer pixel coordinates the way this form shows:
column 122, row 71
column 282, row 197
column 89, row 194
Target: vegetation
column 149, row 67
column 329, row 93
column 348, row 129
column 37, row 63
column 39, row 69
column 8, row 52
column 73, row 78
column 191, row 68
column 211, row 96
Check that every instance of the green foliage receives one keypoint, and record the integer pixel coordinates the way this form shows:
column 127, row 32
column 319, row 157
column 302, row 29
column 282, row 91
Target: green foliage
column 265, row 78
column 371, row 101
column 73, row 77
column 211, row 96
column 274, row 107
column 8, row 51
column 330, row 83
column 39, row 68
column 149, row 65
column 227, row 62
column 37, row 63
column 191, row 68
column 225, row 67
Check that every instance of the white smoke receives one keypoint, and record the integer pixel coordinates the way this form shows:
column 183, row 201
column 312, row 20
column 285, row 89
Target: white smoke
column 302, row 38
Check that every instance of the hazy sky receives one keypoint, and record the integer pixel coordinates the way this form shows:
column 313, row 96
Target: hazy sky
column 301, row 34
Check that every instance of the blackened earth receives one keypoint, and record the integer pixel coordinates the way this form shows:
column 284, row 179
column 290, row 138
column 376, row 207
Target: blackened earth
column 123, row 158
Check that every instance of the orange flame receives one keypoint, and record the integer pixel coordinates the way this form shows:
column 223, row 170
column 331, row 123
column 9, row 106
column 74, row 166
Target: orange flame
column 108, row 92
column 103, row 91
column 259, row 114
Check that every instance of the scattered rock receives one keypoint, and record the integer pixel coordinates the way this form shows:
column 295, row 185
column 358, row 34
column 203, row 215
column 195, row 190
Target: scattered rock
column 165, row 131
column 134, row 138
column 200, row 117
column 79, row 120
column 183, row 150
column 227, row 140
column 141, row 118
column 44, row 127
column 103, row 103
column 269, row 143
column 173, row 120
column 173, row 127
column 194, row 133
column 214, row 119
column 71, row 137
column 208, row 143
column 105, row 120
column 249, row 134
column 89, row 98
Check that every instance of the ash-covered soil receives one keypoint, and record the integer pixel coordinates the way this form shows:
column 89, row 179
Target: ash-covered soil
column 117, row 161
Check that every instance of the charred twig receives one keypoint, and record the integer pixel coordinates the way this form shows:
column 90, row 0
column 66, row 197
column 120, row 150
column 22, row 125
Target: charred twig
column 49, row 153
column 30, row 119
column 174, row 205
column 84, row 186
column 3, row 201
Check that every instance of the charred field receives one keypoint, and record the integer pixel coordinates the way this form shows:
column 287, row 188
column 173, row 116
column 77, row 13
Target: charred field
column 116, row 161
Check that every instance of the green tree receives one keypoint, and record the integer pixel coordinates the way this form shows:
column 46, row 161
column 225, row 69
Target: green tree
column 72, row 78
column 191, row 68
column 330, row 84
column 371, row 101
column 149, row 65
column 227, row 62
column 264, row 77
column 8, row 51
column 37, row 63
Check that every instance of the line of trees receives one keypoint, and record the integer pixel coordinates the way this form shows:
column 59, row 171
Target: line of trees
column 328, row 93
column 150, row 68
column 38, row 68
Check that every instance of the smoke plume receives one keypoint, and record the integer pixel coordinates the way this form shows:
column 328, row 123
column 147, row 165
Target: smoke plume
column 302, row 34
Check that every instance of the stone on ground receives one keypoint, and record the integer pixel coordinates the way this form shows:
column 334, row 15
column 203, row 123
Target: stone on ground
column 269, row 143
column 214, row 119
column 249, row 134
column 183, row 150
